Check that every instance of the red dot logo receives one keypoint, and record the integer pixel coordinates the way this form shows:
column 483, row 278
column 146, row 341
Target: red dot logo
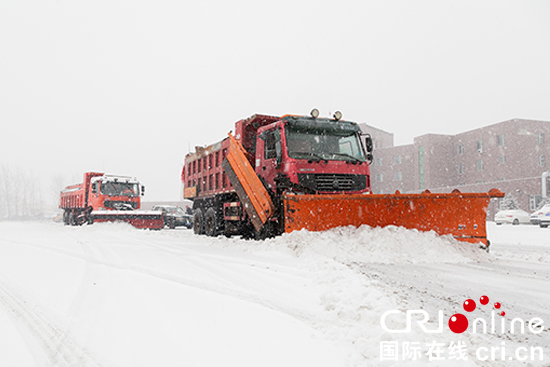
column 458, row 323
column 469, row 305
column 484, row 300
column 502, row 313
column 497, row 305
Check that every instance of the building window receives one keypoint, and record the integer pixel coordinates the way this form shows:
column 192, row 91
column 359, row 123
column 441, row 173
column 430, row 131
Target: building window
column 502, row 159
column 379, row 177
column 460, row 169
column 460, row 149
column 500, row 140
column 479, row 146
column 397, row 159
column 378, row 161
column 397, row 176
column 541, row 161
column 540, row 139
column 479, row 165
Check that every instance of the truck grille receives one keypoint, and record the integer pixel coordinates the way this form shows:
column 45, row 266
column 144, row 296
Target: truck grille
column 333, row 181
column 120, row 205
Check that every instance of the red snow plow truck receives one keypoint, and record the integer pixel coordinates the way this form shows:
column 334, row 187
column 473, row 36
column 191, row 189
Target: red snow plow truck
column 107, row 198
column 280, row 174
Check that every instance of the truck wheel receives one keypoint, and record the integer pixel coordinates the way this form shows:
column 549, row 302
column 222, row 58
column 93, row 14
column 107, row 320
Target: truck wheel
column 66, row 217
column 268, row 230
column 211, row 223
column 198, row 224
column 172, row 224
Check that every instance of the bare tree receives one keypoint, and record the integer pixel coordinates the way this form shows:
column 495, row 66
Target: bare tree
column 6, row 190
column 20, row 194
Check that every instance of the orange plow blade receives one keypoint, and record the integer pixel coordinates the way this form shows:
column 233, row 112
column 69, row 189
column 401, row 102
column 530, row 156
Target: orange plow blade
column 462, row 215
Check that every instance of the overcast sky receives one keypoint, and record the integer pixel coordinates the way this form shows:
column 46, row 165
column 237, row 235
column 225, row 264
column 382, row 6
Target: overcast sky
column 128, row 86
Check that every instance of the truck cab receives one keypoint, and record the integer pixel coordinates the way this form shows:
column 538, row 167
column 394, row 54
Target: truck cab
column 115, row 193
column 313, row 154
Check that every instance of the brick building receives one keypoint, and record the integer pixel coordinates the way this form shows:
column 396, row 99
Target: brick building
column 510, row 156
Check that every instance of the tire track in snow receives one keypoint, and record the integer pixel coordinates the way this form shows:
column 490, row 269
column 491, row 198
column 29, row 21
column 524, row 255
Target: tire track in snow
column 112, row 260
column 49, row 343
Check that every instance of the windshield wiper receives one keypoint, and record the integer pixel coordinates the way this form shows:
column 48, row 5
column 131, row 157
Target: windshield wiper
column 356, row 160
column 319, row 158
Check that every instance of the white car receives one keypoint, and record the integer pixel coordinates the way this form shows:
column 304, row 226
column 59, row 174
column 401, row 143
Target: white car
column 513, row 216
column 541, row 216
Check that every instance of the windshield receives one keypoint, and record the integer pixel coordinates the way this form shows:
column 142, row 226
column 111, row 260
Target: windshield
column 111, row 188
column 323, row 142
column 174, row 210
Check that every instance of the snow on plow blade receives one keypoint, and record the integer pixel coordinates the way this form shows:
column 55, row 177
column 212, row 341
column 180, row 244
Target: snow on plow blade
column 462, row 215
column 139, row 219
column 249, row 188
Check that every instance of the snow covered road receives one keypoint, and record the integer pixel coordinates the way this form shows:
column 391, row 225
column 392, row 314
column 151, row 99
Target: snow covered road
column 111, row 295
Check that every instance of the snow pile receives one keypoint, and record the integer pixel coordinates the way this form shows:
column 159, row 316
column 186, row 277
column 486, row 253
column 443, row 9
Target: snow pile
column 388, row 245
column 351, row 302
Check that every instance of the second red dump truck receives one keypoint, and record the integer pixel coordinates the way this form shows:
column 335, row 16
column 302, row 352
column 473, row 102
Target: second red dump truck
column 280, row 174
column 107, row 198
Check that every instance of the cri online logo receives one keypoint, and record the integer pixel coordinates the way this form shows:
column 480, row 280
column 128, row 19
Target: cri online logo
column 458, row 323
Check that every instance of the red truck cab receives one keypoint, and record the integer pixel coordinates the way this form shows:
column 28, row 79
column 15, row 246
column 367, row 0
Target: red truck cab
column 320, row 155
column 114, row 193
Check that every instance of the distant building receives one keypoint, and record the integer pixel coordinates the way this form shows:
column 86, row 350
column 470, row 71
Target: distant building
column 510, row 156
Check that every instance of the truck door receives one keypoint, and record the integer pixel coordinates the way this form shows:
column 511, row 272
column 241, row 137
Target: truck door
column 269, row 155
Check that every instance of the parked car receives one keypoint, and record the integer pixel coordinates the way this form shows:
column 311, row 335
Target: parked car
column 174, row 216
column 541, row 216
column 512, row 216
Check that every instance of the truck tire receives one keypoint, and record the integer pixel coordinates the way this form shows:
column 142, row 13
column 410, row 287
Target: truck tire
column 269, row 230
column 66, row 218
column 171, row 223
column 198, row 224
column 72, row 219
column 211, row 225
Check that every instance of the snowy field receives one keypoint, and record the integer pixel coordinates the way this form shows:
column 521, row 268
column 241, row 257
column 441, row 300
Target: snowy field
column 110, row 295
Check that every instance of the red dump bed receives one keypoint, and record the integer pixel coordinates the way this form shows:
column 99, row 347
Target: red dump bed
column 73, row 197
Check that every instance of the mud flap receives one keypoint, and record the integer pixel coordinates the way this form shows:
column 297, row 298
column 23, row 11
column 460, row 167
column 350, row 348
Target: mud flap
column 462, row 215
column 247, row 185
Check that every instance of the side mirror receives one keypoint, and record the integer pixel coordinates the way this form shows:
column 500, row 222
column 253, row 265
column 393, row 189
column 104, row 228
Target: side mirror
column 142, row 190
column 370, row 158
column 368, row 143
column 94, row 188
